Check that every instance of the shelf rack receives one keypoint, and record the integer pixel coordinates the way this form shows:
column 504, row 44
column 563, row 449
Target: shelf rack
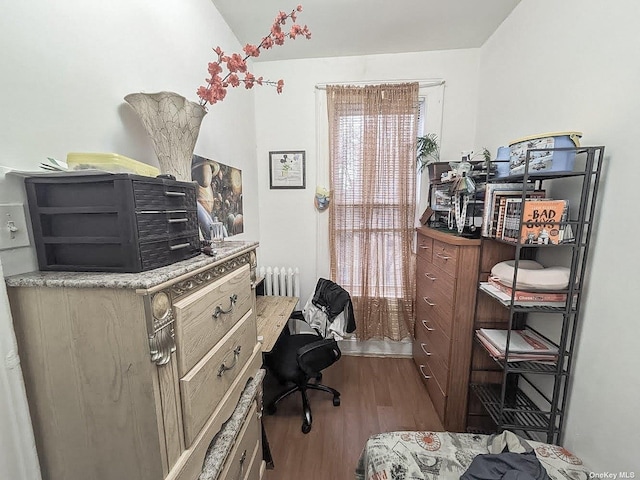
column 509, row 403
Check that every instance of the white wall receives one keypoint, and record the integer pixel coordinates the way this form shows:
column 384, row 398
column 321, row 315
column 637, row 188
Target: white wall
column 573, row 65
column 289, row 224
column 66, row 68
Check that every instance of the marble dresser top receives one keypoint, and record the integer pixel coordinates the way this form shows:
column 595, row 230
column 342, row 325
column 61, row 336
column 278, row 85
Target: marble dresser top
column 142, row 280
column 224, row 440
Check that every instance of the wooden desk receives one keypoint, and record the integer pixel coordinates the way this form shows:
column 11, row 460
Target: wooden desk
column 272, row 316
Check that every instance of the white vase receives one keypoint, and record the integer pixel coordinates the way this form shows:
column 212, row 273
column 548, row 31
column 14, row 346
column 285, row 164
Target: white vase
column 173, row 123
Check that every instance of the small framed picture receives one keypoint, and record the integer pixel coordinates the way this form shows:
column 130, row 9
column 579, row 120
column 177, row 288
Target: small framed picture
column 287, row 169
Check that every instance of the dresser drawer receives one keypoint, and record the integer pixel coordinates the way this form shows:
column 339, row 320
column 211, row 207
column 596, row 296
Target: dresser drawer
column 241, row 461
column 433, row 306
column 200, row 321
column 434, row 339
column 205, row 385
column 430, row 278
column 446, row 257
column 424, row 353
column 424, row 247
column 438, row 398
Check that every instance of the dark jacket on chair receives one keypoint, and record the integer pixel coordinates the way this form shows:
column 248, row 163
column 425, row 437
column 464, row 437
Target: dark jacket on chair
column 333, row 299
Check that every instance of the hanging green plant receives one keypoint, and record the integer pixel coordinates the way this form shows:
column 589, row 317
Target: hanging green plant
column 428, row 150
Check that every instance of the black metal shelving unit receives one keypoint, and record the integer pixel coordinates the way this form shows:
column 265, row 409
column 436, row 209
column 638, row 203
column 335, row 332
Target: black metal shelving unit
column 523, row 402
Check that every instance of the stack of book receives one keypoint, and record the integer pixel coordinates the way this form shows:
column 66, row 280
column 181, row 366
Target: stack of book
column 522, row 298
column 524, row 346
column 543, row 219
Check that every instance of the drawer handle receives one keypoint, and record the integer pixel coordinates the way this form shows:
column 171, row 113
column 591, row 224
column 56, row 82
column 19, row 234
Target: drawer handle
column 242, row 459
column 219, row 311
column 422, row 345
column 443, row 257
column 236, row 354
column 425, row 247
column 178, row 220
column 430, row 277
column 426, row 377
column 179, row 246
column 169, row 193
column 424, row 324
column 429, row 302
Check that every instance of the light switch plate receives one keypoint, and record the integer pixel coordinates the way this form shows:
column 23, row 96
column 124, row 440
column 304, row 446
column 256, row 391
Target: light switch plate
column 13, row 226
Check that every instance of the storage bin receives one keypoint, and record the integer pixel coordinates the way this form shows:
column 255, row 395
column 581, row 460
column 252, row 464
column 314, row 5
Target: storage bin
column 112, row 222
column 545, row 160
column 110, row 162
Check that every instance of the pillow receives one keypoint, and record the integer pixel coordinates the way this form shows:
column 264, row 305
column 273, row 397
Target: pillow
column 531, row 275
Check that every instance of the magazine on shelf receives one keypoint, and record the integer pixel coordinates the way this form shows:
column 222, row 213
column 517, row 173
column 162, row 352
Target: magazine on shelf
column 528, row 296
column 521, row 341
column 505, row 298
column 515, row 357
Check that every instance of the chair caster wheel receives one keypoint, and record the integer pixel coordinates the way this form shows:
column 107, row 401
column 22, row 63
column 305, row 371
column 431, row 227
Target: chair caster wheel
column 270, row 409
column 336, row 401
column 306, row 428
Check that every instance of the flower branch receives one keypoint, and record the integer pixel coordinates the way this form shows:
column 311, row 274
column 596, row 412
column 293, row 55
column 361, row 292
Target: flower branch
column 215, row 89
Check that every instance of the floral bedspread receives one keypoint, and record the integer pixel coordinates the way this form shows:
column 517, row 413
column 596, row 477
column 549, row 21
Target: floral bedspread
column 446, row 456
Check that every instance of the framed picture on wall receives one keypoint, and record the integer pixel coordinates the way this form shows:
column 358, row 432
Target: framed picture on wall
column 287, row 169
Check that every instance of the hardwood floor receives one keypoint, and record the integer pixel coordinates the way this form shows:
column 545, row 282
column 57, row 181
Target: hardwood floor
column 377, row 395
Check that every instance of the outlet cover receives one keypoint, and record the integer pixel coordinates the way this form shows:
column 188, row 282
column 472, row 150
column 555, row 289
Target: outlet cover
column 13, row 226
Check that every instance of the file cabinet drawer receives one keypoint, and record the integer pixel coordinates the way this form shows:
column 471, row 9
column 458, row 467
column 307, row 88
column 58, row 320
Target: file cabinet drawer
column 205, row 316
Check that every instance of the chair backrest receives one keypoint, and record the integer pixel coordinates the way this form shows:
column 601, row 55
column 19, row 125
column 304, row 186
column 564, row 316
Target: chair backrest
column 316, row 356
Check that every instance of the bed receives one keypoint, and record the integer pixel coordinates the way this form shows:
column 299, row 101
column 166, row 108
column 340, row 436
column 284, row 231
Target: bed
column 446, row 456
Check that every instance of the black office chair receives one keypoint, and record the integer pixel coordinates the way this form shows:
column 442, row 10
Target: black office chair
column 298, row 359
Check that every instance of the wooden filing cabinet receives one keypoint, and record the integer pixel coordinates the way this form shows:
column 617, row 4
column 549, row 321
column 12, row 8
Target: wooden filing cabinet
column 446, row 285
column 129, row 377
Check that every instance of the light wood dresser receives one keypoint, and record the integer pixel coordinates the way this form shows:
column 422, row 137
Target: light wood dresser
column 131, row 376
column 446, row 285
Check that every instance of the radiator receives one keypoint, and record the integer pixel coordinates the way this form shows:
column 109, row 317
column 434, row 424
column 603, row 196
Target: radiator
column 281, row 281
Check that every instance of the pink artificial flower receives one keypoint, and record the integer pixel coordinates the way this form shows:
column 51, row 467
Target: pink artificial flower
column 267, row 43
column 249, row 80
column 214, row 68
column 282, row 17
column 236, row 63
column 233, row 80
column 295, row 30
column 217, row 84
column 278, row 38
column 251, row 50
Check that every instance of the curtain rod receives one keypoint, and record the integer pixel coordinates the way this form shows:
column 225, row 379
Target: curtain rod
column 421, row 83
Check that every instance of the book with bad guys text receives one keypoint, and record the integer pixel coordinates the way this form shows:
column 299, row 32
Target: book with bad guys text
column 541, row 221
